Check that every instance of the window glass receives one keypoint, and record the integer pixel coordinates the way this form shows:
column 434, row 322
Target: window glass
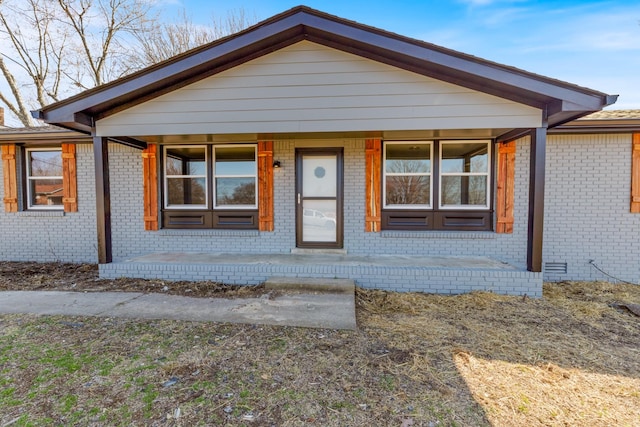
column 407, row 170
column 408, row 158
column 184, row 161
column 235, row 161
column 235, row 191
column 186, row 191
column 464, row 174
column 464, row 190
column 465, row 157
column 186, row 176
column 407, row 190
column 235, row 172
column 44, row 179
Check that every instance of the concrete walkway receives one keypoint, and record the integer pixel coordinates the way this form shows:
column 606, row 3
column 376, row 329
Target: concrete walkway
column 291, row 308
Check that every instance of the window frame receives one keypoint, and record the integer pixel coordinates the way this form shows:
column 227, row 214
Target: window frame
column 166, row 177
column 487, row 205
column 28, row 178
column 215, row 176
column 385, row 174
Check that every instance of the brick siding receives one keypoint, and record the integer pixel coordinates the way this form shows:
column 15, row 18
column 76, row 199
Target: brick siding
column 586, row 218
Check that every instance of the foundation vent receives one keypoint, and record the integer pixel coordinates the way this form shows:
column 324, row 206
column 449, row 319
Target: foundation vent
column 555, row 267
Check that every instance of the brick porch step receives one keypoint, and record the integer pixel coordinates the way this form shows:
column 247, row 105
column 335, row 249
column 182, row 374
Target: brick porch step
column 311, row 284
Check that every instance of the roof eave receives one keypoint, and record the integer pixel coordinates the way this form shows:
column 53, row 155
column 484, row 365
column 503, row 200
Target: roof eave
column 35, row 135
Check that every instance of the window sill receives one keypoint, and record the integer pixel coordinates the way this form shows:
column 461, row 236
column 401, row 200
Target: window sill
column 450, row 235
column 208, row 233
column 41, row 214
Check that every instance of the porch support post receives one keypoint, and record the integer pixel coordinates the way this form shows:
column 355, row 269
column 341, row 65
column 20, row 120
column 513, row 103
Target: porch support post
column 103, row 198
column 536, row 198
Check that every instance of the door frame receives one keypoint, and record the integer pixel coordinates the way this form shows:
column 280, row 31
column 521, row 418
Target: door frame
column 338, row 152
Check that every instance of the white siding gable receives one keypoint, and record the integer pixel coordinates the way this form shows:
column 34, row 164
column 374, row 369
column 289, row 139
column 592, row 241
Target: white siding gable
column 307, row 87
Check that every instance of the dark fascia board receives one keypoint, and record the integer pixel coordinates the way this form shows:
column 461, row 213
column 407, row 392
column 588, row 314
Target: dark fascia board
column 513, row 135
column 599, row 126
column 560, row 99
column 129, row 142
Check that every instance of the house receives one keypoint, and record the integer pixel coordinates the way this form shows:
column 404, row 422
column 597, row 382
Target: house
column 309, row 145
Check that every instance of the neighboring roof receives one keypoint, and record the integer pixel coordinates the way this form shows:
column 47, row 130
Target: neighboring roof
column 614, row 115
column 48, row 189
column 26, row 129
column 562, row 101
column 603, row 122
column 34, row 133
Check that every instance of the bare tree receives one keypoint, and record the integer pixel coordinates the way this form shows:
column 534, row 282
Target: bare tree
column 100, row 29
column 53, row 48
column 29, row 28
column 168, row 39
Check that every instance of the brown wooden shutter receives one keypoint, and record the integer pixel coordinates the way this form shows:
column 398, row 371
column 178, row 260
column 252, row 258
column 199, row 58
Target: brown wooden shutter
column 635, row 174
column 373, row 155
column 150, row 187
column 69, row 178
column 10, row 178
column 505, row 186
column 265, row 185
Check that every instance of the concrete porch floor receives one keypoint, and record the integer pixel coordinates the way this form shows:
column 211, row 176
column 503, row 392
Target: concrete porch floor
column 325, row 259
column 436, row 274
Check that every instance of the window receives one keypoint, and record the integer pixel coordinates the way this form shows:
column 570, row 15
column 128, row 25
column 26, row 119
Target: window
column 235, row 176
column 210, row 186
column 186, row 177
column 44, row 178
column 407, row 183
column 464, row 175
column 448, row 191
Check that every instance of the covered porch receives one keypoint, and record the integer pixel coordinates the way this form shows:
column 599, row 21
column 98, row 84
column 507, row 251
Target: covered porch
column 433, row 274
column 305, row 85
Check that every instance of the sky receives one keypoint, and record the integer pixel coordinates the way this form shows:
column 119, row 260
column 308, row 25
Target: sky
column 595, row 44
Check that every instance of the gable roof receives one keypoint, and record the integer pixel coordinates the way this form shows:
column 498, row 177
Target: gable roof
column 562, row 101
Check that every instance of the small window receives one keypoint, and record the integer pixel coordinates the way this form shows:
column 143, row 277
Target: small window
column 235, row 176
column 464, row 175
column 44, row 178
column 407, row 175
column 186, row 177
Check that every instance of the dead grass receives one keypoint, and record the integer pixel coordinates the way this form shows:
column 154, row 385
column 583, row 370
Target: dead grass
column 568, row 359
column 571, row 358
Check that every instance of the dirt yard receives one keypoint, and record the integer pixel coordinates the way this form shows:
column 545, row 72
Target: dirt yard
column 571, row 358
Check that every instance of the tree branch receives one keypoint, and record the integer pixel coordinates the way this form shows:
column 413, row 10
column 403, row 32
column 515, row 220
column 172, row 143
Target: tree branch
column 19, row 108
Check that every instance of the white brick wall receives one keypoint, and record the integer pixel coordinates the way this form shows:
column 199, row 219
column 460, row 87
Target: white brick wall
column 54, row 236
column 586, row 215
column 588, row 187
